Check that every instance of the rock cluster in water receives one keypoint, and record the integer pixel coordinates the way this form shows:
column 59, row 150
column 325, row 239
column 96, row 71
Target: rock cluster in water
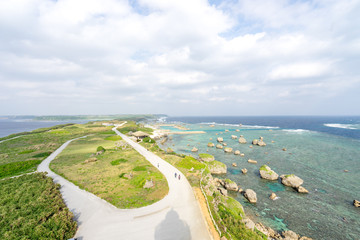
column 267, row 173
column 250, row 195
column 242, row 139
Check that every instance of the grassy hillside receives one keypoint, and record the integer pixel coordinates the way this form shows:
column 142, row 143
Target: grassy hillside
column 116, row 175
column 23, row 154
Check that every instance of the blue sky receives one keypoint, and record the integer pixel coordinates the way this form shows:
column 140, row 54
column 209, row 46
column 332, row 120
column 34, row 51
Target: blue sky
column 189, row 57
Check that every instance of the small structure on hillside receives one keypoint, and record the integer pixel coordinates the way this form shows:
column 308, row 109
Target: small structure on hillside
column 140, row 135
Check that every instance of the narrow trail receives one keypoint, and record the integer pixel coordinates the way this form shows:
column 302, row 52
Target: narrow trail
column 176, row 216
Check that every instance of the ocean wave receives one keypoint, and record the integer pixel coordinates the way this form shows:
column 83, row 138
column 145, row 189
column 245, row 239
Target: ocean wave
column 238, row 125
column 344, row 126
column 296, row 130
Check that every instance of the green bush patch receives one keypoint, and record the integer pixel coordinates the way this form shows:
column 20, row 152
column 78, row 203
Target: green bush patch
column 140, row 168
column 113, row 138
column 189, row 162
column 122, row 175
column 15, row 168
column 27, row 151
column 100, row 149
column 148, row 140
column 118, row 161
column 42, row 155
column 31, row 207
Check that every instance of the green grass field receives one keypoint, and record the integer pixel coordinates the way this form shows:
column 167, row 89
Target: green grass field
column 23, row 154
column 117, row 175
column 31, row 207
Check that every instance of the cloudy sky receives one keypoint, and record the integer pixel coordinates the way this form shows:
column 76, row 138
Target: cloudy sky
column 180, row 57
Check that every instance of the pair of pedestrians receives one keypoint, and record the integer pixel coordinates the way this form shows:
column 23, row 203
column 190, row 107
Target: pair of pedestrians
column 177, row 175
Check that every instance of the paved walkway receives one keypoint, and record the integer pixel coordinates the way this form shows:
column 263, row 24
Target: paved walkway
column 177, row 216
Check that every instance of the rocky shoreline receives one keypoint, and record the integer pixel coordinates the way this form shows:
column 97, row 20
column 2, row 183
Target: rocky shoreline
column 221, row 187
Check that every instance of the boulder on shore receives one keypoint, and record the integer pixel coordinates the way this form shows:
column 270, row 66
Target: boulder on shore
column 301, row 189
column 237, row 130
column 290, row 235
column 234, row 164
column 248, row 223
column 237, row 152
column 255, row 142
column 252, row 161
column 228, row 149
column 220, row 139
column 223, row 191
column 217, row 167
column 242, row 139
column 194, row 149
column 230, row 185
column 206, row 157
column 250, row 195
column 291, row 180
column 210, row 144
column 219, row 146
column 356, row 203
column 267, row 173
column 233, row 137
column 244, row 170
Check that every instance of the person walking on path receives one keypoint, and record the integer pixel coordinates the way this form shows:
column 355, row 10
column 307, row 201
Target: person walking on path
column 175, row 175
column 179, row 176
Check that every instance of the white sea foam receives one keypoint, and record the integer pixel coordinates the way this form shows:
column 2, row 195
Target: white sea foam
column 296, row 130
column 344, row 126
column 238, row 125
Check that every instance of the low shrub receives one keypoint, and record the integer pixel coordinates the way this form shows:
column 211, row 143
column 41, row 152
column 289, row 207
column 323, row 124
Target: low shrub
column 15, row 168
column 31, row 207
column 140, row 168
column 42, row 155
column 118, row 161
column 148, row 140
column 27, row 151
column 100, row 149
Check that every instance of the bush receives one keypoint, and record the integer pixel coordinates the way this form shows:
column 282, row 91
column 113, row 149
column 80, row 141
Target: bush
column 100, row 149
column 148, row 140
column 42, row 155
column 118, row 161
column 140, row 168
column 27, row 151
column 15, row 168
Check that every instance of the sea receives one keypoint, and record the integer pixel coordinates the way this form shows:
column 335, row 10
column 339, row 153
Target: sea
column 10, row 126
column 323, row 151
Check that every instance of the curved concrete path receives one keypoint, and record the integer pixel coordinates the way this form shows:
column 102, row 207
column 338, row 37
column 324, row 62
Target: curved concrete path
column 177, row 216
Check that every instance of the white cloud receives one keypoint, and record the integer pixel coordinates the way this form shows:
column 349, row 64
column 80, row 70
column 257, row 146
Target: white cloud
column 300, row 70
column 160, row 54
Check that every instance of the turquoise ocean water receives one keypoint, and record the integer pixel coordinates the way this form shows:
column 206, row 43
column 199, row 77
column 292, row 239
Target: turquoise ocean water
column 318, row 157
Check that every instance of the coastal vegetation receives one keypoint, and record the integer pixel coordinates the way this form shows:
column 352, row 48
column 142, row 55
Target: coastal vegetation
column 227, row 212
column 23, row 154
column 31, row 207
column 117, row 176
column 17, row 168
